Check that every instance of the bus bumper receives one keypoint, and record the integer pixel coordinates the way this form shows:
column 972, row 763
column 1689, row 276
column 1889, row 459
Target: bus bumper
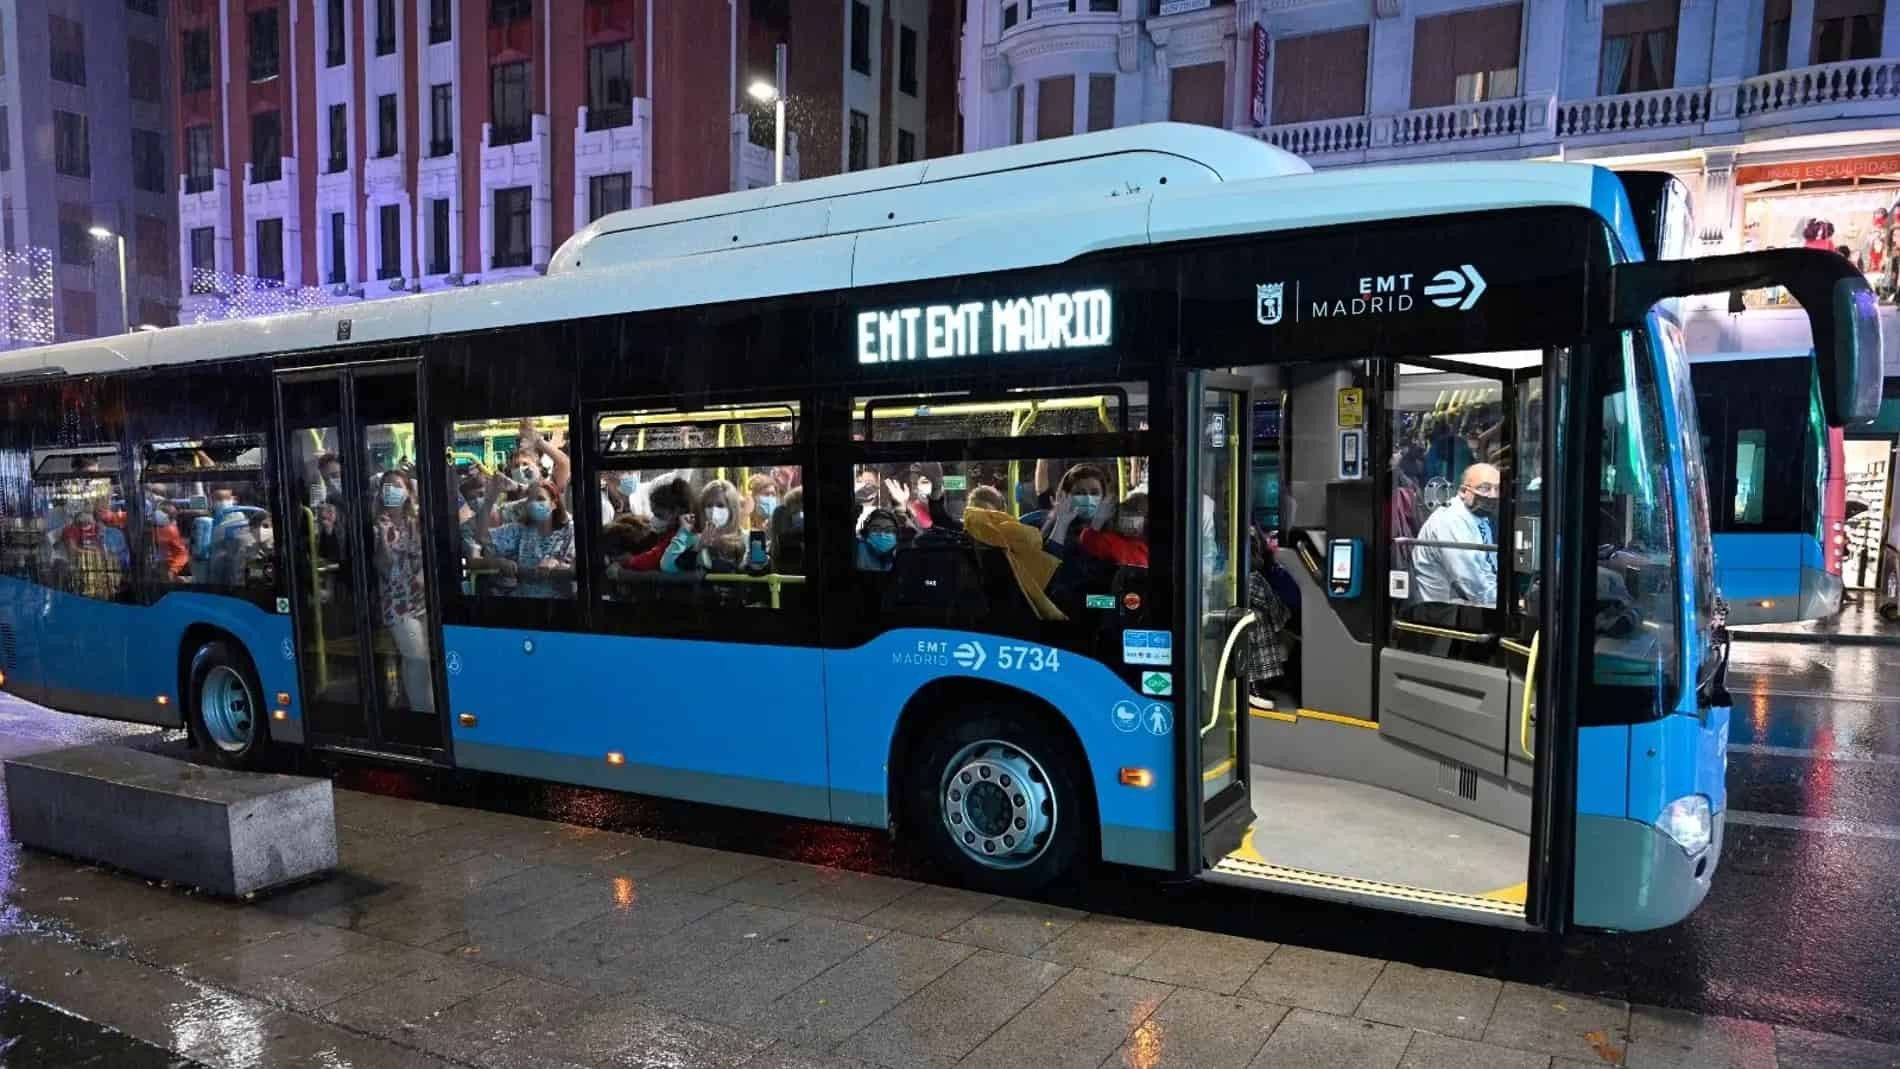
column 1633, row 877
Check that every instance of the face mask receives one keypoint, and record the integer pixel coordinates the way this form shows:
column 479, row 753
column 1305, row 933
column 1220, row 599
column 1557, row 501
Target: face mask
column 265, row 536
column 334, row 482
column 161, row 520
column 1483, row 506
column 1130, row 525
column 394, row 496
column 767, row 506
column 528, row 473
column 223, row 504
column 867, row 495
column 629, row 484
column 719, row 514
column 540, row 510
column 1085, row 504
column 923, row 488
column 882, row 541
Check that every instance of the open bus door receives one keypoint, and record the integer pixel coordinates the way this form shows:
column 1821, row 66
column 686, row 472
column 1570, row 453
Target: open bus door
column 1214, row 523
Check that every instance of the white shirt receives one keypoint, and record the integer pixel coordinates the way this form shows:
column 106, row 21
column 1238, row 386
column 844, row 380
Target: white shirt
column 1464, row 576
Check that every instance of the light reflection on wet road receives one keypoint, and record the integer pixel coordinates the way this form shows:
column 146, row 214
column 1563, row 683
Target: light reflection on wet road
column 1802, row 926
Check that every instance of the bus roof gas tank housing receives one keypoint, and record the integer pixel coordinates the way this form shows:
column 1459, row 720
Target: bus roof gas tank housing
column 1100, row 166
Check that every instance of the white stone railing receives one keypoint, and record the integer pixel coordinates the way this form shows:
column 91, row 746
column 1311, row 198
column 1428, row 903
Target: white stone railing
column 1626, row 113
column 1322, row 137
column 1851, row 82
column 1462, row 122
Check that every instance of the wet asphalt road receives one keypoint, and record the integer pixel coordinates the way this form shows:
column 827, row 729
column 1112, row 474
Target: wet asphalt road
column 1802, row 927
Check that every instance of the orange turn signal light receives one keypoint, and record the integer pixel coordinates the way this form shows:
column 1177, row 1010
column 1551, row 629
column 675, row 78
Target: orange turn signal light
column 615, row 757
column 279, row 714
column 164, row 699
column 1137, row 777
column 283, row 698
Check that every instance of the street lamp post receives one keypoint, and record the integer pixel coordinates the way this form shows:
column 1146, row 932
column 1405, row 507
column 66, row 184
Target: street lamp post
column 774, row 93
column 100, row 233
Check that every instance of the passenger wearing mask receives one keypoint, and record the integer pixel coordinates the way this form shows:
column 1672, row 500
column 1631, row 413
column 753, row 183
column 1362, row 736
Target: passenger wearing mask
column 614, row 501
column 1078, row 504
column 169, row 544
column 672, row 505
column 762, row 493
column 721, row 536
column 537, row 550
column 231, row 541
column 329, row 484
column 401, row 596
column 1449, row 574
column 1124, row 540
column 877, row 542
column 96, row 553
column 535, row 461
column 474, row 499
column 866, row 494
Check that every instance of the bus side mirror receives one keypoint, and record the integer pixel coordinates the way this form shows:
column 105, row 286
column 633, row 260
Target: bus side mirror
column 1842, row 313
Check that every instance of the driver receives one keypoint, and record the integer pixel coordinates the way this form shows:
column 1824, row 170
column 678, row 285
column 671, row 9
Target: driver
column 1461, row 576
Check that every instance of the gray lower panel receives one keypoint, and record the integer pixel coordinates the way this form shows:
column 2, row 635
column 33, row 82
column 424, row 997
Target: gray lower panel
column 856, row 807
column 792, row 800
column 109, row 706
column 1335, row 668
column 1444, row 706
column 1364, row 755
column 1138, row 846
column 1632, row 878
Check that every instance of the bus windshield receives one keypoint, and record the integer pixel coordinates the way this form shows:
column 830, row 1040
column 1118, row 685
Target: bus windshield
column 1636, row 606
column 1701, row 544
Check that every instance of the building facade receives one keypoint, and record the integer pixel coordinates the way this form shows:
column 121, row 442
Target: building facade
column 84, row 115
column 341, row 150
column 1782, row 116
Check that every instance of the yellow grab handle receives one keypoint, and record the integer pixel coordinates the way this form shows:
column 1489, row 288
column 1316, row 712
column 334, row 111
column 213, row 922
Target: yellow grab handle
column 1220, row 675
column 1530, row 695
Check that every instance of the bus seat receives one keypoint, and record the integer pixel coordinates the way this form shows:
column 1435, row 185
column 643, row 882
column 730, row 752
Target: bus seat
column 201, row 529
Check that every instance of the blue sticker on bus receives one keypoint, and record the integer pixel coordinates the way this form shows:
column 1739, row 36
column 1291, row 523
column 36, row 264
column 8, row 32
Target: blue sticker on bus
column 1147, row 647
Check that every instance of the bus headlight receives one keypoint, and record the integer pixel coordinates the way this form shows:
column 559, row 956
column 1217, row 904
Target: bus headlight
column 1687, row 820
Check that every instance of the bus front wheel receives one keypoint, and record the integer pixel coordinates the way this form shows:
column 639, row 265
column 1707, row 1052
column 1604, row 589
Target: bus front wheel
column 997, row 799
column 226, row 707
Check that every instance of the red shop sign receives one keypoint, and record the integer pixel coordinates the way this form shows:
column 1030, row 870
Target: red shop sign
column 1818, row 170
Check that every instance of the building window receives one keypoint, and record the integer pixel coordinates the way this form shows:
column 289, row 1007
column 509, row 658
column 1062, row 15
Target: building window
column 508, row 85
column 266, row 147
column 1776, row 18
column 270, row 249
column 440, row 21
column 1639, row 47
column 263, row 43
column 143, row 7
column 339, row 139
column 72, row 145
column 141, row 61
column 68, row 46
column 439, row 236
column 907, row 60
column 339, row 256
column 1101, row 101
column 609, row 193
column 386, row 125
column 1011, row 14
column 153, row 247
column 513, row 246
column 1845, row 30
column 198, row 159
column 196, row 60
column 1016, row 115
column 204, row 258
column 389, row 241
column 1055, row 107
column 148, row 161
column 860, row 36
column 6, row 144
column 906, row 146
column 1467, row 56
column 441, row 119
column 502, row 12
column 1198, row 94
column 333, row 52
column 75, row 234
column 385, row 27
column 1320, row 76
column 1110, row 7
column 82, row 320
column 609, row 87
column 860, row 147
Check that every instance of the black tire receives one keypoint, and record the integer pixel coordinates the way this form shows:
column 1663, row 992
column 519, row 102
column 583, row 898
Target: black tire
column 1057, row 775
column 221, row 673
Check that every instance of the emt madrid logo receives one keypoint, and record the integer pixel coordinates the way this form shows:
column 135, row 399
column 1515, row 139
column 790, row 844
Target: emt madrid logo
column 1269, row 302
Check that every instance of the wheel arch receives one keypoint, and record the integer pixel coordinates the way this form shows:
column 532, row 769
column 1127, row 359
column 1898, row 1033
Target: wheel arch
column 196, row 637
column 956, row 693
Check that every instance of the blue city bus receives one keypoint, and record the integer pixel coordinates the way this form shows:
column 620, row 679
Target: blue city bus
column 921, row 499
column 1776, row 492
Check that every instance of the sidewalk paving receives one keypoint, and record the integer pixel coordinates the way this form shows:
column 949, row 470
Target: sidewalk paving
column 459, row 937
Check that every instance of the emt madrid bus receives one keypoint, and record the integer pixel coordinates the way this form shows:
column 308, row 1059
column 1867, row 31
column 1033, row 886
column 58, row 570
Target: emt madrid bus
column 919, row 499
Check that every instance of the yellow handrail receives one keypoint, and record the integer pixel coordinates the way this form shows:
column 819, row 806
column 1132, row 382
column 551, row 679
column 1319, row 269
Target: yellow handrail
column 1220, row 675
column 316, row 598
column 1530, row 694
column 774, row 582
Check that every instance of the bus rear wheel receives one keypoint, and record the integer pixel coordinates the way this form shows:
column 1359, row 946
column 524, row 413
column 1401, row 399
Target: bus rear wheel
column 997, row 799
column 226, row 708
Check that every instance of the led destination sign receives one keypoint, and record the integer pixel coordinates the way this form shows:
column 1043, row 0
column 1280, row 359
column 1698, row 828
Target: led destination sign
column 1080, row 320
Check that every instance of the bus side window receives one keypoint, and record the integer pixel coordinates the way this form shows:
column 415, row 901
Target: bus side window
column 517, row 509
column 208, row 521
column 83, row 521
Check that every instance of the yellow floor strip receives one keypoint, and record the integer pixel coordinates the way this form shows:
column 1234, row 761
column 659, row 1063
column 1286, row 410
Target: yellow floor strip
column 1336, row 718
column 1246, row 861
column 1514, row 893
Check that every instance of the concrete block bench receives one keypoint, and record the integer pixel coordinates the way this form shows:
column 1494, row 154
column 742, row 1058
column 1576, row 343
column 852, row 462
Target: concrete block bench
column 225, row 831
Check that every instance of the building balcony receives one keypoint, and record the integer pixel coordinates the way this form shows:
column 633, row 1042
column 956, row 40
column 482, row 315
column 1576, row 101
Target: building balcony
column 622, row 147
column 202, row 197
column 752, row 151
column 1689, row 116
column 1036, row 14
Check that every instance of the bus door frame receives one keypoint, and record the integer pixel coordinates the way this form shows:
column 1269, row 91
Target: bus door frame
column 1218, row 824
column 354, row 454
